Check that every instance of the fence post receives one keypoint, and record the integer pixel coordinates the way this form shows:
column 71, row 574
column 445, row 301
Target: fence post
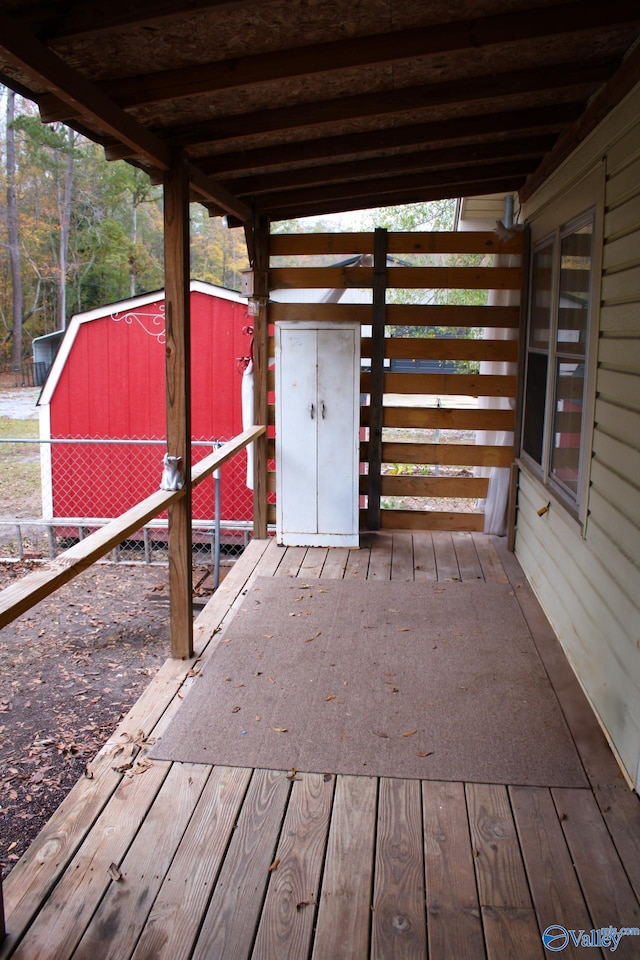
column 261, row 372
column 377, row 377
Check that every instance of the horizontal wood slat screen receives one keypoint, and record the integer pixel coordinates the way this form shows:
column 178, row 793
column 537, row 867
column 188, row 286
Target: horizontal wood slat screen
column 434, row 412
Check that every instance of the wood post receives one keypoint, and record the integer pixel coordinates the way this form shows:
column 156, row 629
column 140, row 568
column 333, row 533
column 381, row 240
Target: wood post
column 260, row 372
column 377, row 376
column 178, row 394
column 512, row 509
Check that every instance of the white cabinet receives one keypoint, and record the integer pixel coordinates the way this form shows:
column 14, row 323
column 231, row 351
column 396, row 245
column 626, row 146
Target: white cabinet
column 317, row 431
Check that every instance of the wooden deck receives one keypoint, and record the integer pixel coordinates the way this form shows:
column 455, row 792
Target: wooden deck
column 176, row 860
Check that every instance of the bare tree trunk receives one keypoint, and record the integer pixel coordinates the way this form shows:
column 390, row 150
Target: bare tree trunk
column 65, row 226
column 12, row 229
column 134, row 240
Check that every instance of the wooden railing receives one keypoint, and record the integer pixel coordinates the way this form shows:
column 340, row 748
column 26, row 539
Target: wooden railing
column 26, row 592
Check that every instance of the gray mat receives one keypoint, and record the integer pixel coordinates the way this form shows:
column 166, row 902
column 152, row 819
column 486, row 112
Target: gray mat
column 432, row 681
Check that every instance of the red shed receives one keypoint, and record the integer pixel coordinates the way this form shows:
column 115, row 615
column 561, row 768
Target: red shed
column 107, row 383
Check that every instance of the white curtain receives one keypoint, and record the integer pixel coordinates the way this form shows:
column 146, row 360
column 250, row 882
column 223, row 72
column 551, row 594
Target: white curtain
column 495, row 505
column 248, row 416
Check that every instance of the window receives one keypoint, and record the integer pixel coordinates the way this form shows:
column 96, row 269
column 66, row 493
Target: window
column 558, row 330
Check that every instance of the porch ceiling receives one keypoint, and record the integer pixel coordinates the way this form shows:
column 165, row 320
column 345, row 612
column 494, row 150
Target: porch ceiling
column 297, row 107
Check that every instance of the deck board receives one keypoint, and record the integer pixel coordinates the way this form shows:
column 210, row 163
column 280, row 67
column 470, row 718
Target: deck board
column 363, row 867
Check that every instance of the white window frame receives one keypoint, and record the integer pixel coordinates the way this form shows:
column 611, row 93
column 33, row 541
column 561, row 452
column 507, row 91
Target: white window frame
column 557, row 220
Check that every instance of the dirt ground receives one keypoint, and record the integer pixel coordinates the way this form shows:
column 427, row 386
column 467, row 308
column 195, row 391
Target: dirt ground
column 70, row 668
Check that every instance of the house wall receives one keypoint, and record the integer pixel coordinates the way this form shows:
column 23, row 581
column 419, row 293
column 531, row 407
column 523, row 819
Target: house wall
column 586, row 572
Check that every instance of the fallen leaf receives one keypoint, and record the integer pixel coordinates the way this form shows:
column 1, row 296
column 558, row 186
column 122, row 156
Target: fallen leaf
column 114, row 871
column 427, row 754
column 258, row 718
column 279, row 729
column 274, row 865
column 292, row 774
column 235, row 709
column 385, row 735
column 409, row 733
column 270, row 679
column 331, row 696
column 402, row 630
column 12, row 845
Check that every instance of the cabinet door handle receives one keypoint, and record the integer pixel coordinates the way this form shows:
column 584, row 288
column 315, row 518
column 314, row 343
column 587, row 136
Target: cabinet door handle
column 312, row 411
column 324, row 410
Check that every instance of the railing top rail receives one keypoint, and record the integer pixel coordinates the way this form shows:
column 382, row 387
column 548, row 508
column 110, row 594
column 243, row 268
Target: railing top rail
column 26, row 592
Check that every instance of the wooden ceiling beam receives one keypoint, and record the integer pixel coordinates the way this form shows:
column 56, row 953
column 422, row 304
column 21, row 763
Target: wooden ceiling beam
column 424, row 160
column 350, row 52
column 418, row 195
column 210, row 192
column 45, row 68
column 66, row 21
column 510, row 123
column 354, row 190
column 385, row 102
column 620, row 84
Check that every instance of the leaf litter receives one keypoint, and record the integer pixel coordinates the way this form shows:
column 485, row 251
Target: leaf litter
column 70, row 670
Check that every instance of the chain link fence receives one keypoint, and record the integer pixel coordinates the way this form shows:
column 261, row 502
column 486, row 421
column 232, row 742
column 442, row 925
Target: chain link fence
column 68, row 487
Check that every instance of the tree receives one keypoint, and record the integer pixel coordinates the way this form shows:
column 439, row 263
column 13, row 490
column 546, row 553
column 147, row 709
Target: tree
column 12, row 235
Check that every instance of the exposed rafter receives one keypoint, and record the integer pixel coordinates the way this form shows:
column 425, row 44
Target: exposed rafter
column 384, row 102
column 81, row 19
column 437, row 38
column 485, row 125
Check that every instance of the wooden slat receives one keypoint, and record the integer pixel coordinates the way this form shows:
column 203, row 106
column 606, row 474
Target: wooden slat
column 607, row 890
column 292, row 562
column 446, row 560
column 127, row 902
column 430, row 520
column 621, row 812
column 174, row 921
column 512, row 932
column 342, row 278
column 552, row 879
column 398, row 921
column 492, row 568
column 344, row 913
column 453, row 914
column 57, row 930
column 349, row 312
column 467, row 557
column 403, row 486
column 477, row 241
column 446, row 384
column 444, row 348
column 288, row 914
column 452, row 315
column 229, row 926
column 500, row 873
column 335, row 563
column 313, row 562
column 358, row 562
column 443, row 418
column 455, row 278
column 449, row 454
column 424, row 557
column 380, row 559
column 402, row 557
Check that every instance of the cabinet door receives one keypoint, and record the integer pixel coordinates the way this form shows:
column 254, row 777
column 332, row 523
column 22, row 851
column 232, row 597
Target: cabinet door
column 337, row 432
column 297, row 430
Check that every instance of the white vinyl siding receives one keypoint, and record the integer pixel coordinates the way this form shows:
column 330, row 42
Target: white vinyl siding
column 587, row 576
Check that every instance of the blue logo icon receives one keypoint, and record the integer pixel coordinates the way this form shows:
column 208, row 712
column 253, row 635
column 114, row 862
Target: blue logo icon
column 555, row 938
